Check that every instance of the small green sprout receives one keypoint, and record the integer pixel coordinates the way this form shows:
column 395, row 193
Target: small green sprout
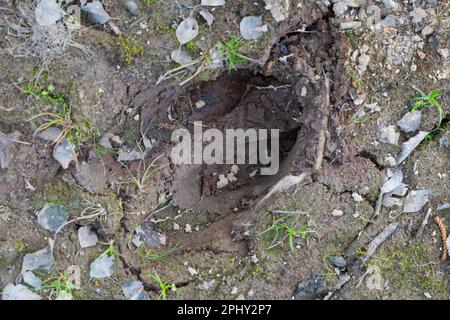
column 429, row 101
column 230, row 52
column 283, row 229
column 163, row 285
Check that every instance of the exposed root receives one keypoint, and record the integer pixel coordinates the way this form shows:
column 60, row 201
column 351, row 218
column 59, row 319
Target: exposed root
column 443, row 231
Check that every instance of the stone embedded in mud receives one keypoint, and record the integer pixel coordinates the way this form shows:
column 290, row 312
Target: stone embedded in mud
column 390, row 4
column 416, row 200
column 64, row 153
column 102, row 267
column 338, row 261
column 252, row 28
column 48, row 12
column 133, row 155
column 18, row 292
column 32, row 280
column 418, row 15
column 443, row 142
column 64, row 295
column 213, row 3
column 340, row 7
column 187, row 30
column 87, row 237
column 39, row 260
column 52, row 217
column 443, row 206
column 107, row 138
column 410, row 121
column 5, row 145
column 394, row 181
column 313, row 288
column 50, row 134
column 374, row 279
column 134, row 290
column 181, row 57
column 96, row 12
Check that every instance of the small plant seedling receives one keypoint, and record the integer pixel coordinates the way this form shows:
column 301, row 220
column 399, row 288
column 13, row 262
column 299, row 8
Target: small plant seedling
column 57, row 283
column 165, row 286
column 230, row 52
column 430, row 101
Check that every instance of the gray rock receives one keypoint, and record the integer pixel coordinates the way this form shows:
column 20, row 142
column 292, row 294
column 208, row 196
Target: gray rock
column 443, row 142
column 389, row 134
column 390, row 4
column 130, row 155
column 444, row 52
column 87, row 237
column 39, row 260
column 252, row 28
column 338, row 262
column 18, row 292
column 418, row 15
column 64, row 153
column 102, row 267
column 133, row 7
column 389, row 22
column 351, row 25
column 313, row 288
column 187, row 30
column 392, row 183
column 410, row 121
column 134, row 290
column 340, row 7
column 416, row 200
column 427, row 30
column 96, row 12
column 64, row 295
column 52, row 217
column 146, row 233
column 181, row 57
column 278, row 8
column 409, row 146
column 32, row 280
column 443, row 206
